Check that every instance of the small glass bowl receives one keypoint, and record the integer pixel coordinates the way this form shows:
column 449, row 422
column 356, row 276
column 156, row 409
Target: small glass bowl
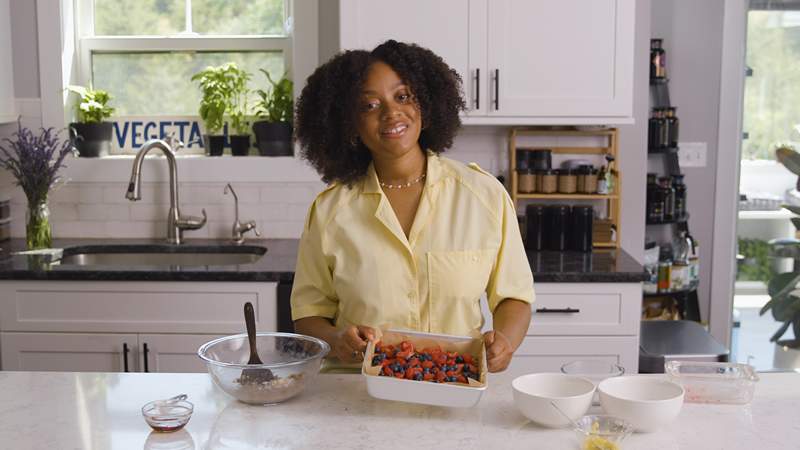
column 594, row 370
column 167, row 416
column 601, row 432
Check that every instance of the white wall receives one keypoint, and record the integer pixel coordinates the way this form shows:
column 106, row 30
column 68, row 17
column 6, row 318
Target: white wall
column 692, row 33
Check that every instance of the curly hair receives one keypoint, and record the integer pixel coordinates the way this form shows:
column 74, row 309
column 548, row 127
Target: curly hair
column 327, row 110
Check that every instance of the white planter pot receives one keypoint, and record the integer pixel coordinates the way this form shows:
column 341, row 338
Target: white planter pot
column 787, row 355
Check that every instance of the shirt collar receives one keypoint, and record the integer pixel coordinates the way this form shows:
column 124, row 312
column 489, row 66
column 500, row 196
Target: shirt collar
column 434, row 174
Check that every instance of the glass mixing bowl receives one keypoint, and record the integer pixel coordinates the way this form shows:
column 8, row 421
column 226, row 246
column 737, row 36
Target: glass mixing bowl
column 290, row 363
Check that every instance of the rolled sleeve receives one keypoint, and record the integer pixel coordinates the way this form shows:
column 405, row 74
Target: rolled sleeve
column 511, row 276
column 312, row 292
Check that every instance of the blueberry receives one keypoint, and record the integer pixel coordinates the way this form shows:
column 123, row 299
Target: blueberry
column 418, row 376
column 426, row 371
column 376, row 360
column 459, row 359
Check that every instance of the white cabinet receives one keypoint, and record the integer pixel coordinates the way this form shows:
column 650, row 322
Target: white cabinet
column 172, row 352
column 521, row 61
column 573, row 321
column 64, row 352
column 7, row 108
column 86, row 326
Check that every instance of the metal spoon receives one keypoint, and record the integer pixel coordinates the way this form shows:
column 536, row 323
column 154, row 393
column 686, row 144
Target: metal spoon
column 574, row 424
column 172, row 400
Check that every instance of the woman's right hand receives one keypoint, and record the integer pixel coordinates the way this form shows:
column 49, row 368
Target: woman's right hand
column 350, row 343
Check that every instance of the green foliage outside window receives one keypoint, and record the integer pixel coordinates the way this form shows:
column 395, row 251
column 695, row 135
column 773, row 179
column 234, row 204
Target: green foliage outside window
column 757, row 264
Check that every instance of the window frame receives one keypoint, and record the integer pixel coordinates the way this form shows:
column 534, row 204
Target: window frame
column 88, row 44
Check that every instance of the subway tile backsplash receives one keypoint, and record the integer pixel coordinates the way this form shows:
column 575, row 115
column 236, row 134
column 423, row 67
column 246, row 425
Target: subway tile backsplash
column 100, row 209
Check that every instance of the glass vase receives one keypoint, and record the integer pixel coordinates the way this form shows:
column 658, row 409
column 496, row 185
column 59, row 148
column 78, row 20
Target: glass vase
column 38, row 233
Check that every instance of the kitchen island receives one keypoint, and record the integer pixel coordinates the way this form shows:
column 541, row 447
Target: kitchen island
column 102, row 411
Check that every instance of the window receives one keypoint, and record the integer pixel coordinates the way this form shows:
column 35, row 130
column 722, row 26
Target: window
column 144, row 53
column 772, row 87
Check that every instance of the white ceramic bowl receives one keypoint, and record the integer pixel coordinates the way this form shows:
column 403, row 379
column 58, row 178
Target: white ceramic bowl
column 533, row 394
column 647, row 402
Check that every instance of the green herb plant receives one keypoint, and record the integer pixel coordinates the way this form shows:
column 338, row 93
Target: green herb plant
column 92, row 106
column 277, row 103
column 224, row 90
column 782, row 288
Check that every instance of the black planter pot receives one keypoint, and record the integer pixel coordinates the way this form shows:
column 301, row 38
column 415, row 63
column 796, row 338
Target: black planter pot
column 273, row 138
column 91, row 139
column 240, row 144
column 214, row 143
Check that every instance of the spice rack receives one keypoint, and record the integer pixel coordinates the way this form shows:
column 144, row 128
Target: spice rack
column 685, row 297
column 611, row 200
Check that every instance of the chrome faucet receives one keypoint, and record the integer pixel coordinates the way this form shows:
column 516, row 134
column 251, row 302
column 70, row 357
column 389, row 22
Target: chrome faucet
column 239, row 229
column 176, row 223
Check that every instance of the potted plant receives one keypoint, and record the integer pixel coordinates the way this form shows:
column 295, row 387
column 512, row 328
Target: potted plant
column 34, row 160
column 91, row 134
column 224, row 91
column 275, row 108
column 782, row 288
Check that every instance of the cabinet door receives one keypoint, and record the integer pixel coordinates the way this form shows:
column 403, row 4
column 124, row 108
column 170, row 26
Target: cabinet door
column 7, row 109
column 172, row 352
column 561, row 58
column 68, row 352
column 453, row 29
column 548, row 354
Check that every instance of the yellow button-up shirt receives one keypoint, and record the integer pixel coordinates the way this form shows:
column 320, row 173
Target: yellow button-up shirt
column 356, row 266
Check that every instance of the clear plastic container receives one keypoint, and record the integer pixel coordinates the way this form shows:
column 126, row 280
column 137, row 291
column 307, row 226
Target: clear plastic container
column 713, row 382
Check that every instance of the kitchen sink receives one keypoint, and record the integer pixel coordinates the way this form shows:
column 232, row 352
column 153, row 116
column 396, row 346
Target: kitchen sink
column 161, row 255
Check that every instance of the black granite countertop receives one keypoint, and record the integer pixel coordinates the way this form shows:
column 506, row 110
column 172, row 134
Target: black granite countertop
column 277, row 264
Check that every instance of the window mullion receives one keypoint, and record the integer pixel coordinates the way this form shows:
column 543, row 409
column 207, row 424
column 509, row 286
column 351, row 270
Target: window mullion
column 160, row 44
column 188, row 12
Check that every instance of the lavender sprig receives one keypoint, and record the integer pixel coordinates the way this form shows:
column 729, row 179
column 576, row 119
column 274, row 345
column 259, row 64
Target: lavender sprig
column 34, row 160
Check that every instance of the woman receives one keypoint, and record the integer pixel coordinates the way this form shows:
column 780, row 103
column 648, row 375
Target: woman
column 402, row 237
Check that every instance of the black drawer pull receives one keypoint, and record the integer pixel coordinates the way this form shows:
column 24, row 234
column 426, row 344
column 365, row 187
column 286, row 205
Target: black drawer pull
column 146, row 351
column 496, row 89
column 558, row 310
column 125, row 351
column 477, row 88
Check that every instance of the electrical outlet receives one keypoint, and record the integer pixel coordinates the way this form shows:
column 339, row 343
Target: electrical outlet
column 692, row 154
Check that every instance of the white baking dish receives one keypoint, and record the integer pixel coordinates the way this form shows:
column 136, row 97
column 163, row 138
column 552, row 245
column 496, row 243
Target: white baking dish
column 456, row 395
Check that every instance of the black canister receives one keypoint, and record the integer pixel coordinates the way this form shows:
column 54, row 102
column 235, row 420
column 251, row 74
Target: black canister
column 541, row 159
column 534, row 215
column 581, row 228
column 555, row 222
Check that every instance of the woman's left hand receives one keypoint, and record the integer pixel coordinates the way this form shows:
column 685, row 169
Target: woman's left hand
column 498, row 350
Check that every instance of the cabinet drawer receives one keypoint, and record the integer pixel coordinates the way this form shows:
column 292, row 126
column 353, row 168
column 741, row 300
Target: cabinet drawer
column 582, row 313
column 141, row 307
column 548, row 354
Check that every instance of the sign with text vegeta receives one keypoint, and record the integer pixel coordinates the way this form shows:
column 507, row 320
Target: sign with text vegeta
column 131, row 132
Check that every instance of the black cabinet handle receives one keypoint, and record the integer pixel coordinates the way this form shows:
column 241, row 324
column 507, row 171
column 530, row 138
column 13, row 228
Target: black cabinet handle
column 477, row 88
column 558, row 310
column 496, row 89
column 125, row 351
column 146, row 351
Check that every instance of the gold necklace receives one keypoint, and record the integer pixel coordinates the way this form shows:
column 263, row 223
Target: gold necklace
column 402, row 185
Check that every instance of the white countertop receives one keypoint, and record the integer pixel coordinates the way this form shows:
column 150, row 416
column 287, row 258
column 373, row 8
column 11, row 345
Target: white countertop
column 102, row 411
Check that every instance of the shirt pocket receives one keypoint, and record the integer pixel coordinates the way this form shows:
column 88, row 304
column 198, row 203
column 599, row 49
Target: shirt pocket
column 457, row 279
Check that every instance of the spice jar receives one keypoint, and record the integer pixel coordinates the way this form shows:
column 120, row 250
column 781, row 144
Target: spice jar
column 526, row 181
column 547, row 181
column 590, row 182
column 567, row 181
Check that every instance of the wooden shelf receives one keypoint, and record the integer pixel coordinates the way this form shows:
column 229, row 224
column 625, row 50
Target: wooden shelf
column 572, row 150
column 611, row 202
column 569, row 196
column 604, row 244
column 550, row 132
